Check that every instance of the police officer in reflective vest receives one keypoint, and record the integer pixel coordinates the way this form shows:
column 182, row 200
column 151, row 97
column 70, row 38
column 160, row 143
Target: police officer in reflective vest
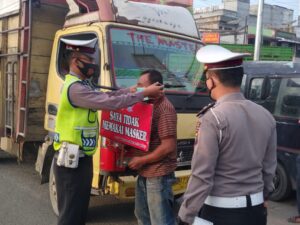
column 234, row 157
column 76, row 130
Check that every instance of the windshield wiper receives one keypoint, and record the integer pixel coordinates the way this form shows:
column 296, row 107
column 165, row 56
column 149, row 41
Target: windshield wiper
column 105, row 87
column 197, row 89
column 115, row 89
column 167, row 85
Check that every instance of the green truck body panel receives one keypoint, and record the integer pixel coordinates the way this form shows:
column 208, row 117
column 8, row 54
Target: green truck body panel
column 267, row 53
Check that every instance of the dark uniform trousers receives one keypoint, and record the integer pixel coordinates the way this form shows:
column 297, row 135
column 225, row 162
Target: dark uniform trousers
column 251, row 215
column 73, row 191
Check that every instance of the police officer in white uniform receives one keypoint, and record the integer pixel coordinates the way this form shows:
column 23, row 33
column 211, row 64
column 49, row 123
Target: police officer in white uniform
column 234, row 157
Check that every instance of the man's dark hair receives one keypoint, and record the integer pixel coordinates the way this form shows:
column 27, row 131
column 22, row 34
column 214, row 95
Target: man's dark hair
column 154, row 76
column 230, row 77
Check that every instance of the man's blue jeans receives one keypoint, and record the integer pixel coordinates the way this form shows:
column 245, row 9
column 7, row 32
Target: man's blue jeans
column 154, row 200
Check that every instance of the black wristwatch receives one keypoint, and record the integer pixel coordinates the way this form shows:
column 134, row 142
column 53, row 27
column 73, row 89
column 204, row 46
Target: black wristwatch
column 180, row 222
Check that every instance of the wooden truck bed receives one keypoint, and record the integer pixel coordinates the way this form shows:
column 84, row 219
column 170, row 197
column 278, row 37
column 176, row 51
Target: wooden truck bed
column 46, row 20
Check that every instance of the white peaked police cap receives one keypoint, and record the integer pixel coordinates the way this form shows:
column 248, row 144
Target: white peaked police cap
column 216, row 57
column 83, row 46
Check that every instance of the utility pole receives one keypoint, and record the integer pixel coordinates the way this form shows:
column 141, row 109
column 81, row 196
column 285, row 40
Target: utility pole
column 245, row 30
column 258, row 36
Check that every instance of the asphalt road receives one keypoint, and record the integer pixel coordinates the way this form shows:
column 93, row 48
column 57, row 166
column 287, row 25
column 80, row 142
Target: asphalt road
column 23, row 201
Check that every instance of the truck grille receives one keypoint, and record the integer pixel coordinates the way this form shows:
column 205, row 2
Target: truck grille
column 185, row 149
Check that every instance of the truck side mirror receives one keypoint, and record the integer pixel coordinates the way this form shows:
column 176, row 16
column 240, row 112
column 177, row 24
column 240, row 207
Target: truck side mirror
column 266, row 88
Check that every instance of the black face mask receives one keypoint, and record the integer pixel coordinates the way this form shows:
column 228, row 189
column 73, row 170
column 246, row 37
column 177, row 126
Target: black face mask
column 87, row 67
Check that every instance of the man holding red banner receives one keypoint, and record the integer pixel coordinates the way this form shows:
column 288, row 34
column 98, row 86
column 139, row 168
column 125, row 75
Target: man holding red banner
column 154, row 196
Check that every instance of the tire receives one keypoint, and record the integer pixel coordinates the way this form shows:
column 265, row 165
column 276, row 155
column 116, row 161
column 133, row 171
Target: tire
column 282, row 184
column 52, row 190
column 178, row 199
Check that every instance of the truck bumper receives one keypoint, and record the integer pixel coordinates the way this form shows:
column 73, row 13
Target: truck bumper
column 124, row 187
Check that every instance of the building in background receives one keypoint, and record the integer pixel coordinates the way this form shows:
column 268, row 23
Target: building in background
column 228, row 18
column 216, row 18
column 235, row 20
column 184, row 3
column 274, row 17
column 297, row 27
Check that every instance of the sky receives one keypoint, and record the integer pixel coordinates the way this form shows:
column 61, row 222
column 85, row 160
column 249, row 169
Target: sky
column 291, row 4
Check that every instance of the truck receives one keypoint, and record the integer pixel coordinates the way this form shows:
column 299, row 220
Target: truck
column 132, row 37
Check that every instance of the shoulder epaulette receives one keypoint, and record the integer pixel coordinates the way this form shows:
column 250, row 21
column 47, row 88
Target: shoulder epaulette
column 84, row 82
column 205, row 108
column 87, row 83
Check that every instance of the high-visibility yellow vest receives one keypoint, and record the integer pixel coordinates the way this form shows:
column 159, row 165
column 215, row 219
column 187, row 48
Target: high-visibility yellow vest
column 74, row 124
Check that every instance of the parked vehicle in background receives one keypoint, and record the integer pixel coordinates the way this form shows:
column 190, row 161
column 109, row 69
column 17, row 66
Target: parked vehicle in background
column 276, row 86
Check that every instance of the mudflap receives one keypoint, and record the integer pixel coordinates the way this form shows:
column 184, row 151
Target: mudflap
column 122, row 187
column 44, row 159
column 182, row 178
column 10, row 146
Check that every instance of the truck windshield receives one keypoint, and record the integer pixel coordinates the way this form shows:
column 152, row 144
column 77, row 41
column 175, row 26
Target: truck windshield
column 135, row 51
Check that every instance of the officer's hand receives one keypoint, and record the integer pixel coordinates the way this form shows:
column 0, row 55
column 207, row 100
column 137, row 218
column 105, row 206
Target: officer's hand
column 133, row 89
column 136, row 163
column 180, row 222
column 154, row 90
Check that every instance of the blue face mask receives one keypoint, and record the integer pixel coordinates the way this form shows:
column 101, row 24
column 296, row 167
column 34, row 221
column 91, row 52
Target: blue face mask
column 140, row 89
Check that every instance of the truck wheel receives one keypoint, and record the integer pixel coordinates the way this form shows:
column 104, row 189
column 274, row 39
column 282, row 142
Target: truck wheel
column 52, row 190
column 282, row 184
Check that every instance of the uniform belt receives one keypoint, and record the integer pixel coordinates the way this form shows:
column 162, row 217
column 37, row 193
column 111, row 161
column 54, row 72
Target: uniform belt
column 234, row 202
column 81, row 154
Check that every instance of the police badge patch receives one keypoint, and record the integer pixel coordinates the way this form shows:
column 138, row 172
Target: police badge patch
column 199, row 115
column 198, row 124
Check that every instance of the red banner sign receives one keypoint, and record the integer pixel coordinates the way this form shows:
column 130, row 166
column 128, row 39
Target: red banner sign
column 130, row 126
column 213, row 38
